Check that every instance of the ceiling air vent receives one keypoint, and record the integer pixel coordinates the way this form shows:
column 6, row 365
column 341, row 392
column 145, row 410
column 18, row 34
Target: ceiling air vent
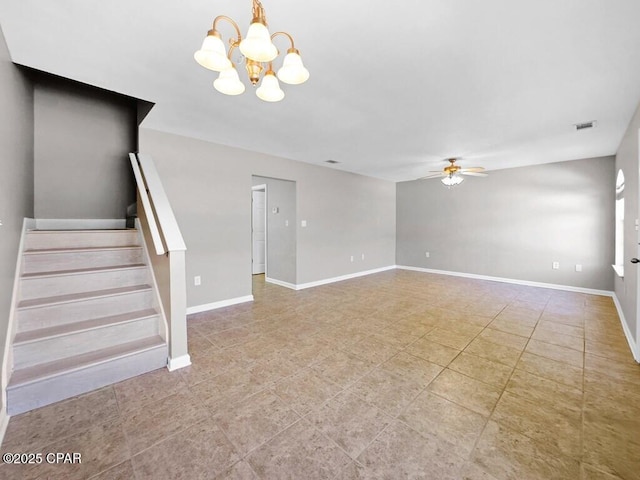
column 333, row 162
column 585, row 125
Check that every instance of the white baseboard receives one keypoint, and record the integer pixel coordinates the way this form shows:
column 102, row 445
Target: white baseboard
column 302, row 286
column 80, row 223
column 634, row 346
column 281, row 283
column 341, row 278
column 552, row 286
column 179, row 362
column 4, row 422
column 221, row 304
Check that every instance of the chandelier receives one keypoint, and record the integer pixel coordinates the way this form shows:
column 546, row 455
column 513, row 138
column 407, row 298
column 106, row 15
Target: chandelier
column 258, row 51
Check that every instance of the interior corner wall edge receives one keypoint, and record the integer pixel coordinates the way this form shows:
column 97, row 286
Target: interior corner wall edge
column 515, row 223
column 16, row 180
column 627, row 159
column 209, row 186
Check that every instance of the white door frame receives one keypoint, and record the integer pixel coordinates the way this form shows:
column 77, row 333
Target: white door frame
column 258, row 188
column 636, row 353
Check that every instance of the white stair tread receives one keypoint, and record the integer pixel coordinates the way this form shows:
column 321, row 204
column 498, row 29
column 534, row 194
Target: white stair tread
column 82, row 326
column 45, row 251
column 77, row 297
column 57, row 273
column 99, row 230
column 43, row 371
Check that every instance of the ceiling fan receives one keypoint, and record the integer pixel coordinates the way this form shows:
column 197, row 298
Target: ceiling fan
column 452, row 173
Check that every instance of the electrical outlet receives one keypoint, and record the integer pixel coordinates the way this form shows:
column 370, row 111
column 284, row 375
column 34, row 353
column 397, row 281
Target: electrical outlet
column 286, row 223
column 352, row 258
column 578, row 267
column 363, row 256
column 556, row 265
column 303, row 223
column 427, row 254
column 197, row 280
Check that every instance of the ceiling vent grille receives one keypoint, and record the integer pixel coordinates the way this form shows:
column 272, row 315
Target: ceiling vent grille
column 585, row 125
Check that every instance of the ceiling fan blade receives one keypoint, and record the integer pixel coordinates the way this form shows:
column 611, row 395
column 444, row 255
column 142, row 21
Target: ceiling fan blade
column 474, row 174
column 473, row 169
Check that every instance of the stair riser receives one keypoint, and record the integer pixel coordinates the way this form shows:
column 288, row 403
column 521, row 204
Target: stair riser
column 29, row 354
column 23, row 398
column 81, row 282
column 52, row 262
column 52, row 315
column 39, row 240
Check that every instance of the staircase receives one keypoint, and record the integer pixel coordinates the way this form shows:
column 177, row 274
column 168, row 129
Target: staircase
column 87, row 316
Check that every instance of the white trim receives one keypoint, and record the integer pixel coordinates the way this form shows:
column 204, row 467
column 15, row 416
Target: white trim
column 257, row 188
column 221, row 304
column 553, row 286
column 146, row 204
column 180, row 362
column 4, row 423
column 80, row 223
column 349, row 276
column 164, row 213
column 149, row 266
column 303, row 286
column 619, row 269
column 281, row 283
column 635, row 348
column 7, row 360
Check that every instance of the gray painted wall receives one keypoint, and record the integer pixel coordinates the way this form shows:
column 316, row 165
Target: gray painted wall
column 515, row 223
column 209, row 188
column 16, row 180
column 627, row 159
column 281, row 238
column 82, row 140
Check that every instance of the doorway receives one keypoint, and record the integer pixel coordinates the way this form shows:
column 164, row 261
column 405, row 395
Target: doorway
column 273, row 232
column 259, row 229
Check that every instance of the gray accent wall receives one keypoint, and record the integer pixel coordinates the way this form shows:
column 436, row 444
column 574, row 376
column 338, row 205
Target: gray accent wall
column 16, row 179
column 515, row 223
column 82, row 140
column 628, row 159
column 281, row 237
column 209, row 188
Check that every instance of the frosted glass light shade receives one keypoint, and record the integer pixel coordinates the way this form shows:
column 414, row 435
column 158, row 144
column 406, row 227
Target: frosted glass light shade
column 269, row 89
column 229, row 83
column 452, row 180
column 212, row 54
column 257, row 44
column 292, row 70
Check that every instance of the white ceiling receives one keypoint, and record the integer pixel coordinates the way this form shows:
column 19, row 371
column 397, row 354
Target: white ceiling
column 395, row 87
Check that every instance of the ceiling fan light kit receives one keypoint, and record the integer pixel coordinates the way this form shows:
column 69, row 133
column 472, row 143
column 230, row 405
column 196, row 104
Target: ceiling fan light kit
column 452, row 180
column 258, row 49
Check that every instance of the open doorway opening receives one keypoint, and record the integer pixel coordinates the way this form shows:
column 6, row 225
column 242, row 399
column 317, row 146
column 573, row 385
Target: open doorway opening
column 259, row 229
column 273, row 232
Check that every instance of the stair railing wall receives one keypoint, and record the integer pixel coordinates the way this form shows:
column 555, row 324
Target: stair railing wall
column 162, row 235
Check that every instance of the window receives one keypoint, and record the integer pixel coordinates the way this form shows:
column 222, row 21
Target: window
column 619, row 252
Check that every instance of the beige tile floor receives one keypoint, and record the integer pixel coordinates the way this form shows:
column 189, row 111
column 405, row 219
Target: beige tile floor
column 391, row 376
